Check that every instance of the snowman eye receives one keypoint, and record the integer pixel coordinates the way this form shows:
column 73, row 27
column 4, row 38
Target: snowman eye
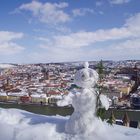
column 83, row 76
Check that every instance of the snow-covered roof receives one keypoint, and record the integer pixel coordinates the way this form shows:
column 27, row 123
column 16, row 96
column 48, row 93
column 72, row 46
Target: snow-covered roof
column 38, row 95
column 18, row 93
column 3, row 94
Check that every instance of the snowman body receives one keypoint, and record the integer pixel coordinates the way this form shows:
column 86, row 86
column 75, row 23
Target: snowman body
column 84, row 103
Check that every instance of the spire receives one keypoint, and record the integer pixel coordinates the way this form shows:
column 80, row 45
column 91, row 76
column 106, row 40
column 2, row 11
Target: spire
column 126, row 120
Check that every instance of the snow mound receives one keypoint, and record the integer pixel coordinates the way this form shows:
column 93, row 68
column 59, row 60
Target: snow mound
column 21, row 125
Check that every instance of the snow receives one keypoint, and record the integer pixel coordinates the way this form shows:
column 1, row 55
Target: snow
column 83, row 124
column 3, row 66
column 67, row 100
column 84, row 104
column 3, row 94
column 16, row 124
column 38, row 95
column 21, row 125
column 86, row 78
column 84, row 119
column 18, row 93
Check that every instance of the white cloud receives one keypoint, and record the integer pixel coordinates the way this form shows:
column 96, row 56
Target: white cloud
column 133, row 24
column 84, row 38
column 56, row 55
column 51, row 13
column 82, row 11
column 129, row 44
column 8, row 36
column 119, row 1
column 76, row 46
column 10, row 48
column 129, row 49
column 101, row 12
column 42, row 39
column 63, row 29
column 99, row 3
column 7, row 44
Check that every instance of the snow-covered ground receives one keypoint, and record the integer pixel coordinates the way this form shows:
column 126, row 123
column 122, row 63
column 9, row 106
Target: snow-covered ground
column 3, row 66
column 21, row 125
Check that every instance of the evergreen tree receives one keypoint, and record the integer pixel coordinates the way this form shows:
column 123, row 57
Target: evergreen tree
column 100, row 69
column 101, row 113
column 112, row 118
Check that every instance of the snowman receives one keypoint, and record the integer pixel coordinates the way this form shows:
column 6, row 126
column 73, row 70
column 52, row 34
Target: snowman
column 84, row 119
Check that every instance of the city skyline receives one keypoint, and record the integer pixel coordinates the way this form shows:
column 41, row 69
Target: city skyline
column 69, row 30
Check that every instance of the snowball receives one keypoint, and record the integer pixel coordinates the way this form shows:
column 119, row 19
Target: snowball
column 86, row 65
column 86, row 78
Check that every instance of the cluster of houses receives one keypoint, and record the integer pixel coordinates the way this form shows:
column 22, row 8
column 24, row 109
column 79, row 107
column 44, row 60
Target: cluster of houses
column 34, row 84
column 24, row 98
column 135, row 99
column 47, row 83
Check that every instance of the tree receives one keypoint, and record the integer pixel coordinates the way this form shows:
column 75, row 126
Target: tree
column 100, row 69
column 101, row 113
column 112, row 118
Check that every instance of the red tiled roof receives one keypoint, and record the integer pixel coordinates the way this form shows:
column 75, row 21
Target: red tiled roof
column 53, row 85
column 54, row 93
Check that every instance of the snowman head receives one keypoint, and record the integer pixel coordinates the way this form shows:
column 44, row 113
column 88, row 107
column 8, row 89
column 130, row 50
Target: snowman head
column 86, row 77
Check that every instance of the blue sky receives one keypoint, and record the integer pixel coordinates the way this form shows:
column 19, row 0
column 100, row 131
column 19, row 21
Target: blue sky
column 69, row 30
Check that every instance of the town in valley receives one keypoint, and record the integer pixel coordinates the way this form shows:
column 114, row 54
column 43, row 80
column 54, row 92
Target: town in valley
column 45, row 84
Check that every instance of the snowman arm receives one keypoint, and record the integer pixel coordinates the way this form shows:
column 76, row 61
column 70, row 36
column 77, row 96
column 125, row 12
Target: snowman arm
column 67, row 100
column 104, row 101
